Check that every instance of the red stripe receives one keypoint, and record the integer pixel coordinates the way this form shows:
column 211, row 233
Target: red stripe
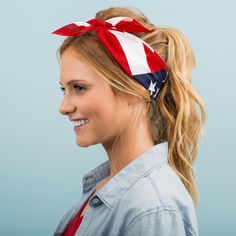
column 154, row 61
column 114, row 47
column 72, row 29
column 131, row 26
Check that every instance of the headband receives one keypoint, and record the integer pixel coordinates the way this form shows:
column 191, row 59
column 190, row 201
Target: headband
column 135, row 57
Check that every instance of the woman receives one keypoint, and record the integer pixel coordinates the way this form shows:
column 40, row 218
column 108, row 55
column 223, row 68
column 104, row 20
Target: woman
column 138, row 103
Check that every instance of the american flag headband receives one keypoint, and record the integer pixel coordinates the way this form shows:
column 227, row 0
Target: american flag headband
column 135, row 57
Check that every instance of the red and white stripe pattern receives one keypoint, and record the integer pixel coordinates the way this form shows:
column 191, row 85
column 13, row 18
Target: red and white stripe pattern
column 136, row 58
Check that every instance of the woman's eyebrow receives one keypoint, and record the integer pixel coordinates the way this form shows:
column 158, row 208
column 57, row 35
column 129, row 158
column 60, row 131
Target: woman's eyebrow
column 73, row 81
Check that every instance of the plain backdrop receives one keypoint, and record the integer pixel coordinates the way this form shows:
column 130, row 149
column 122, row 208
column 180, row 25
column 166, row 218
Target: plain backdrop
column 41, row 167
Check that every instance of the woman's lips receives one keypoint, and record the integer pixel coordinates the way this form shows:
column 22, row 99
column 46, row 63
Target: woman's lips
column 81, row 127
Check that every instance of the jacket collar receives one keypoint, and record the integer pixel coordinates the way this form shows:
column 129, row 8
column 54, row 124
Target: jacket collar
column 119, row 184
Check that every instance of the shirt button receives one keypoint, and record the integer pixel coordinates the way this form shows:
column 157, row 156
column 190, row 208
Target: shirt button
column 95, row 201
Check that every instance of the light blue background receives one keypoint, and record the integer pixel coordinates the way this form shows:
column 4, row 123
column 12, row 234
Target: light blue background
column 41, row 167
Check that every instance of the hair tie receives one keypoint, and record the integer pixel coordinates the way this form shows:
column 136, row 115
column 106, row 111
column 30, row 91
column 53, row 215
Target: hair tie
column 135, row 57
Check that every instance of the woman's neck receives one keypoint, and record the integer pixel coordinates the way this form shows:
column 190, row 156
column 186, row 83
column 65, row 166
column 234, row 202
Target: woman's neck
column 129, row 147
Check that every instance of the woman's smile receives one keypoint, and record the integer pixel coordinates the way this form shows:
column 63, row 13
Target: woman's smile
column 80, row 124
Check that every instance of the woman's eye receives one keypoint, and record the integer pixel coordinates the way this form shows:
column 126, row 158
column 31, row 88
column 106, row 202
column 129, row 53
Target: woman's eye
column 78, row 88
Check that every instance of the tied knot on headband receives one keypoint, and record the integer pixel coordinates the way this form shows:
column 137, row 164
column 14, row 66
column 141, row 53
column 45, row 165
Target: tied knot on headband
column 78, row 28
column 135, row 57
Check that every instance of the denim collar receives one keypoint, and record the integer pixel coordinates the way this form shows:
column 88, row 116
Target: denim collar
column 119, row 184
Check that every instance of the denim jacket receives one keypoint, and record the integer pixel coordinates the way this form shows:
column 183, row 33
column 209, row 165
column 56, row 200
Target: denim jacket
column 146, row 198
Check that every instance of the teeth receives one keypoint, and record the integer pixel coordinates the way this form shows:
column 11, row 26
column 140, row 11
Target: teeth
column 80, row 122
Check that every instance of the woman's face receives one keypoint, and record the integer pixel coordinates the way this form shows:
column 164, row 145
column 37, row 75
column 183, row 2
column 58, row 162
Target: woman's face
column 87, row 95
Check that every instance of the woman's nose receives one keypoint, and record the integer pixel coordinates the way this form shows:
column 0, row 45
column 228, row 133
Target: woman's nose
column 66, row 107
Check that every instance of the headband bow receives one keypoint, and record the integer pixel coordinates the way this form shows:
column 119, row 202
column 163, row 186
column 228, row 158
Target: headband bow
column 135, row 57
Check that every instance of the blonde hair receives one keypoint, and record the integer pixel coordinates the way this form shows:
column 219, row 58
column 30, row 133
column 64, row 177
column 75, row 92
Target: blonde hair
column 174, row 116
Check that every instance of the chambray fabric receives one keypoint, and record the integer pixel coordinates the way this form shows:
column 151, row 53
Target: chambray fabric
column 146, row 198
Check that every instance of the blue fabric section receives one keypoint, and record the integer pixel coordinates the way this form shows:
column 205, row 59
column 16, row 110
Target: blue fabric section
column 156, row 78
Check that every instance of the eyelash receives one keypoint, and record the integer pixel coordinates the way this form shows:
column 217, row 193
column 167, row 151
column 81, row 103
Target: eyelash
column 76, row 87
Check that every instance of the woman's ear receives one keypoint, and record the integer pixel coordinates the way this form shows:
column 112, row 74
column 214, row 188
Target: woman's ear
column 132, row 100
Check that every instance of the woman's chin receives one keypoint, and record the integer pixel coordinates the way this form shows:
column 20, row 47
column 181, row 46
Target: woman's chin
column 82, row 143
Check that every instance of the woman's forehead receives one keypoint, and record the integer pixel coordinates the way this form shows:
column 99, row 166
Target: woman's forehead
column 72, row 68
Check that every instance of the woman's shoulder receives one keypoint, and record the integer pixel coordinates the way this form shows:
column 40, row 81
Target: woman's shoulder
column 157, row 193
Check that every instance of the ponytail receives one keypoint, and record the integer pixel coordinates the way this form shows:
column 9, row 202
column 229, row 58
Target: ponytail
column 174, row 116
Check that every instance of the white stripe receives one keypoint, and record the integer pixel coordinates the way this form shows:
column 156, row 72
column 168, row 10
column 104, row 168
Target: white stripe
column 116, row 20
column 81, row 23
column 134, row 51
